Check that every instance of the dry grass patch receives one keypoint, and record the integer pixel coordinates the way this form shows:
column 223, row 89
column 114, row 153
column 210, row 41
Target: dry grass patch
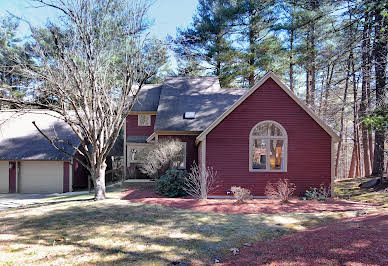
column 349, row 189
column 81, row 231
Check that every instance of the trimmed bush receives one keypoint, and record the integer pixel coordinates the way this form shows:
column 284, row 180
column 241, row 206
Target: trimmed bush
column 241, row 194
column 172, row 183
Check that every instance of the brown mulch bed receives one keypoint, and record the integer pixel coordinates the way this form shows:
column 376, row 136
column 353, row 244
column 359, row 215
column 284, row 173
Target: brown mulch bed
column 353, row 241
column 138, row 194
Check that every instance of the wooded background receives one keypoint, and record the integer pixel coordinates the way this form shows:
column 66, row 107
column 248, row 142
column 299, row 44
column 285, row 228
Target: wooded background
column 333, row 54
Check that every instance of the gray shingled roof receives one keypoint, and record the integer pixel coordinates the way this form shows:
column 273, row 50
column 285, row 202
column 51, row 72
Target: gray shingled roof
column 148, row 98
column 202, row 95
column 20, row 140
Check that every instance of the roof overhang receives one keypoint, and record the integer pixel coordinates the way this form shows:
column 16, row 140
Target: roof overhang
column 166, row 132
column 287, row 90
column 142, row 112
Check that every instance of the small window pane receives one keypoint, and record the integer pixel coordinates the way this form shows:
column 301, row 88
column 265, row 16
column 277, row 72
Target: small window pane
column 261, row 130
column 143, row 120
column 180, row 162
column 276, row 154
column 275, row 130
column 259, row 154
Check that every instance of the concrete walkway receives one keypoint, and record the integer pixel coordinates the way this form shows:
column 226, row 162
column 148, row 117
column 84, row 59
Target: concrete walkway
column 18, row 200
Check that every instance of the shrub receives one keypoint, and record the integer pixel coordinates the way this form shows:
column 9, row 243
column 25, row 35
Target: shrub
column 281, row 190
column 165, row 155
column 241, row 194
column 172, row 183
column 321, row 193
column 199, row 183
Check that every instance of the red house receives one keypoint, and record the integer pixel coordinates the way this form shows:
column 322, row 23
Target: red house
column 249, row 136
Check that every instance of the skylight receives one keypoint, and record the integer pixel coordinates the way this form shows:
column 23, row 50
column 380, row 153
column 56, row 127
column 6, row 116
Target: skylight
column 189, row 115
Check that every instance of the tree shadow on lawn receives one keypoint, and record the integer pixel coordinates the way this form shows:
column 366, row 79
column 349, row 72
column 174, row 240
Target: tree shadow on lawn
column 123, row 232
column 354, row 241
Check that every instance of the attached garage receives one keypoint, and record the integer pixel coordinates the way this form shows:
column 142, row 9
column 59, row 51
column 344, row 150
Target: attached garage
column 41, row 177
column 28, row 162
column 4, row 177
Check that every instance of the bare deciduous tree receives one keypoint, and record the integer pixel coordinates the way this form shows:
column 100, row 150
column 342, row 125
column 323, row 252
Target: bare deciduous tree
column 199, row 182
column 90, row 65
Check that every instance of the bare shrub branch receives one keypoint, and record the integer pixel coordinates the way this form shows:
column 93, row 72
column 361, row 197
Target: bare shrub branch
column 241, row 194
column 281, row 190
column 164, row 155
column 200, row 182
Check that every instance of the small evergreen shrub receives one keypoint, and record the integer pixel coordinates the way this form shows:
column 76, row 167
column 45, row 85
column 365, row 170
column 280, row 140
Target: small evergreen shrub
column 321, row 193
column 241, row 194
column 172, row 183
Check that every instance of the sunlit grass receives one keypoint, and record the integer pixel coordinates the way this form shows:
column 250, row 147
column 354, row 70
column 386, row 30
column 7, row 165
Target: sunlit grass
column 78, row 230
column 349, row 189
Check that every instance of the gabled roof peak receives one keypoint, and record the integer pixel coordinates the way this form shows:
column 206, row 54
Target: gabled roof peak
column 257, row 85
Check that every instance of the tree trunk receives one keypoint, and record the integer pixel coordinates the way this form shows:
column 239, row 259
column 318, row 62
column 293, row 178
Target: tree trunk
column 313, row 67
column 252, row 52
column 308, row 86
column 291, row 59
column 364, row 94
column 380, row 53
column 99, row 182
column 342, row 118
column 352, row 167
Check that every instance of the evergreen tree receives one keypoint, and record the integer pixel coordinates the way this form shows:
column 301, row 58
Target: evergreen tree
column 12, row 57
column 205, row 46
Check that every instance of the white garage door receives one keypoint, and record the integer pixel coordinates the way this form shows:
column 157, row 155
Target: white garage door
column 4, row 177
column 41, row 177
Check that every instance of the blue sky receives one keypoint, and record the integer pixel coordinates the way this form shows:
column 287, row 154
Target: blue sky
column 167, row 15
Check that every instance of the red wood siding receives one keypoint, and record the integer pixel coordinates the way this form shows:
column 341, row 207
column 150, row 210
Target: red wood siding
column 66, row 177
column 12, row 177
column 309, row 155
column 134, row 130
column 191, row 148
column 80, row 173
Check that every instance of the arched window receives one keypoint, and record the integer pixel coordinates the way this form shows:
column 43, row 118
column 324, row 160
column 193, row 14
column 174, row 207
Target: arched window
column 268, row 147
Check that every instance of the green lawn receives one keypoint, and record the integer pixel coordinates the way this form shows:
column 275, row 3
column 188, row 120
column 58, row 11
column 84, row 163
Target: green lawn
column 78, row 230
column 349, row 189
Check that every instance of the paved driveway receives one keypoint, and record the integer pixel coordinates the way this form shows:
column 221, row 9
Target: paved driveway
column 18, row 200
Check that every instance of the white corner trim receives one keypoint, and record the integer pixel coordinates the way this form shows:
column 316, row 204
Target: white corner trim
column 203, row 154
column 332, row 165
column 252, row 90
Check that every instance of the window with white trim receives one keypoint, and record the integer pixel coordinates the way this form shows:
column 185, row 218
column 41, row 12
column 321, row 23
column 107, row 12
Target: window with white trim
column 180, row 163
column 268, row 147
column 143, row 120
column 136, row 152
